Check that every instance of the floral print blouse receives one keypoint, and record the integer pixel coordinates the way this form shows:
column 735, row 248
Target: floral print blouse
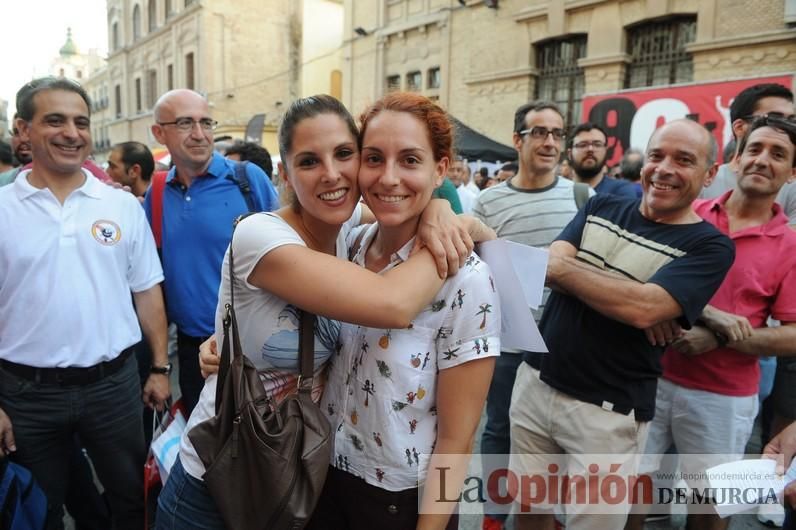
column 381, row 393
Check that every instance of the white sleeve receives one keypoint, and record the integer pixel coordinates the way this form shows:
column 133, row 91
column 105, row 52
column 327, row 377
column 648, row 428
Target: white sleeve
column 256, row 236
column 472, row 323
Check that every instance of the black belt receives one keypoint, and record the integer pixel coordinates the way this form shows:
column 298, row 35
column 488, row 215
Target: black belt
column 70, row 376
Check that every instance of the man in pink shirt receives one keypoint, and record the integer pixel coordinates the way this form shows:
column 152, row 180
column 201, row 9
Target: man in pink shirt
column 707, row 401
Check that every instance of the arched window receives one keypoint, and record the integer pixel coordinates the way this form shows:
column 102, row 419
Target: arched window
column 152, row 15
column 560, row 78
column 657, row 52
column 167, row 10
column 136, row 22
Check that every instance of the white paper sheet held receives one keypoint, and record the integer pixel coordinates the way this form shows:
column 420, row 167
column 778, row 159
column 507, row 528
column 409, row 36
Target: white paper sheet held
column 519, row 272
column 744, row 484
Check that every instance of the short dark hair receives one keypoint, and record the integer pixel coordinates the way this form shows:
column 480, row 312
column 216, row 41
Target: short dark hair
column 483, row 171
column 510, row 166
column 583, row 127
column 137, row 153
column 523, row 110
column 785, row 126
column 256, row 154
column 630, row 168
column 6, row 154
column 745, row 102
column 25, row 107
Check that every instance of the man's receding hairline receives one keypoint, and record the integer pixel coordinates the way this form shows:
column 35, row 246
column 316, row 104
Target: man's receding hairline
column 691, row 123
column 166, row 99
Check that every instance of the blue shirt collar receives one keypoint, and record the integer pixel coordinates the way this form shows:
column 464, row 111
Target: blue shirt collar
column 218, row 168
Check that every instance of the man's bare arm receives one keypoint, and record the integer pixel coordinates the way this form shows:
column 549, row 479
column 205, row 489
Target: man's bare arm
column 779, row 341
column 641, row 305
column 152, row 316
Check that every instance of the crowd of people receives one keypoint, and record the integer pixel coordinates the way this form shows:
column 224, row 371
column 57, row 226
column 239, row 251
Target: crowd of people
column 669, row 310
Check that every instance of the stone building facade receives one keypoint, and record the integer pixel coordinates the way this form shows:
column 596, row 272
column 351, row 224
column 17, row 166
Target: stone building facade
column 248, row 57
column 238, row 54
column 483, row 58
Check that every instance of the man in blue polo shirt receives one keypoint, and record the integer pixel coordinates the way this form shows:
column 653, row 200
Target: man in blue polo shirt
column 202, row 197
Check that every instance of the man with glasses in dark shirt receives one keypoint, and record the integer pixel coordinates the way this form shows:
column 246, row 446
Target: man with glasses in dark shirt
column 202, row 195
column 587, row 154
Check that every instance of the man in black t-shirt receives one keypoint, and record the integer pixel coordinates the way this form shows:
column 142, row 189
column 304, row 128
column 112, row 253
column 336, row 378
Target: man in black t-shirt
column 626, row 276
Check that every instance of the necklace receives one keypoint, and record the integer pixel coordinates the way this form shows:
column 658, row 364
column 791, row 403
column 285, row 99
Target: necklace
column 310, row 239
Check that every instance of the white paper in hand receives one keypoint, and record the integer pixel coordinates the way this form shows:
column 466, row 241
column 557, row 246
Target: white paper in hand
column 519, row 272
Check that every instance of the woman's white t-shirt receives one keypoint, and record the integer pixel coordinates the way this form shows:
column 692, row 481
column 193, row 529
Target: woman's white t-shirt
column 267, row 325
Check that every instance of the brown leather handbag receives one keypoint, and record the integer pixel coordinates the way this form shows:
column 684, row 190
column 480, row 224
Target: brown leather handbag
column 265, row 463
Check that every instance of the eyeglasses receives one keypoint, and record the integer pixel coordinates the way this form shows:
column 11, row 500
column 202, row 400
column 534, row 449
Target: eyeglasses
column 791, row 118
column 596, row 145
column 187, row 124
column 776, row 120
column 540, row 133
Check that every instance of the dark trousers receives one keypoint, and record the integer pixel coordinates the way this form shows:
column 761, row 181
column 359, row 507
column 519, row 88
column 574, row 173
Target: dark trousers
column 107, row 417
column 191, row 380
column 496, row 438
column 143, row 354
column 350, row 503
column 83, row 501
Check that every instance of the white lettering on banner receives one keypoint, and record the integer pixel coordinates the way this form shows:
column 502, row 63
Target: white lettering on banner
column 648, row 116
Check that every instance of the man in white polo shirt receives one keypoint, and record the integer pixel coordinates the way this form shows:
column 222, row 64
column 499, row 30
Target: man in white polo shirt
column 73, row 249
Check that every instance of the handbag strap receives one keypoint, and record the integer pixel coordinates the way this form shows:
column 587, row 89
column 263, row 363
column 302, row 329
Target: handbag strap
column 306, row 351
column 232, row 347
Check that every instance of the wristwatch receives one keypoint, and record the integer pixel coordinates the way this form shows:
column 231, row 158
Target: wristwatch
column 165, row 370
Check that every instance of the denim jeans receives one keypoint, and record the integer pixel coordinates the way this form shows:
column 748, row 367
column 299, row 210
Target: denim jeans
column 186, row 504
column 107, row 417
column 496, row 439
column 768, row 368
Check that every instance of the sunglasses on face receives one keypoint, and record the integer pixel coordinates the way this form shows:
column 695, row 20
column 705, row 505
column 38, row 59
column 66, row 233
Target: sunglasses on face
column 777, row 116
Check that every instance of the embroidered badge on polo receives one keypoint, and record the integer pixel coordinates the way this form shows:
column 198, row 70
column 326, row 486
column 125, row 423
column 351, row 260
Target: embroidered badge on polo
column 106, row 232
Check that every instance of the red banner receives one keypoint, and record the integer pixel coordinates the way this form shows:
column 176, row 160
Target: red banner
column 630, row 117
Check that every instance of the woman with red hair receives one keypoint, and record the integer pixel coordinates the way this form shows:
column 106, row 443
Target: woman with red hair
column 399, row 398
